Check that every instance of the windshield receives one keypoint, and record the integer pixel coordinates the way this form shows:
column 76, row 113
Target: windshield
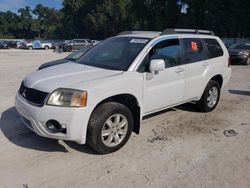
column 114, row 53
column 241, row 46
column 76, row 55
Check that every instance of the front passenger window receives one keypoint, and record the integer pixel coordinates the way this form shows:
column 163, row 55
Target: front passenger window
column 168, row 50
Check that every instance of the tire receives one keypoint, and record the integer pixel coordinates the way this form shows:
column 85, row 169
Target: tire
column 68, row 48
column 30, row 48
column 209, row 99
column 99, row 135
column 247, row 61
column 46, row 47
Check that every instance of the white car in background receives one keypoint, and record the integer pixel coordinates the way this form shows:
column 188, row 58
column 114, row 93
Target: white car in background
column 36, row 44
column 102, row 98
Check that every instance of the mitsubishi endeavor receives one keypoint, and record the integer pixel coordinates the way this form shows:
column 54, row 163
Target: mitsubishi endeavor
column 101, row 98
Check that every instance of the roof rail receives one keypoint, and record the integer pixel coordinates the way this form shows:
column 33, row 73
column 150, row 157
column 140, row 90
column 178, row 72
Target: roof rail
column 187, row 31
column 139, row 32
column 126, row 33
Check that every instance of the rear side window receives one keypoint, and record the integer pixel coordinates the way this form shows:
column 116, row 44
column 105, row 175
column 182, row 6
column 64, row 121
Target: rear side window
column 213, row 47
column 193, row 50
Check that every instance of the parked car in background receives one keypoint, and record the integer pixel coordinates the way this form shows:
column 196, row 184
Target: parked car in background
column 75, row 44
column 19, row 44
column 240, row 53
column 72, row 57
column 101, row 98
column 12, row 44
column 56, row 44
column 27, row 44
column 36, row 44
column 4, row 45
column 95, row 42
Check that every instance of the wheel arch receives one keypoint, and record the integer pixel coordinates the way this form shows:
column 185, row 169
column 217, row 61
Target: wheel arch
column 218, row 78
column 129, row 101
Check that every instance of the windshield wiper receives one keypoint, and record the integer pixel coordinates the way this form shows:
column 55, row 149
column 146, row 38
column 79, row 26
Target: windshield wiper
column 71, row 59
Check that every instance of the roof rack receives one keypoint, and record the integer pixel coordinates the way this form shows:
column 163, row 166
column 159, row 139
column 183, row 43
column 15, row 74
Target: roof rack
column 187, row 31
column 138, row 32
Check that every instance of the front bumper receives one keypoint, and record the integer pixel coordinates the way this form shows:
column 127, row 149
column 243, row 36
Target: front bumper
column 75, row 120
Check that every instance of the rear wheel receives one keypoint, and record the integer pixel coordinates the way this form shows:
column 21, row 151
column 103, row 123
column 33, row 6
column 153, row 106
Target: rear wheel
column 210, row 97
column 46, row 47
column 30, row 48
column 110, row 127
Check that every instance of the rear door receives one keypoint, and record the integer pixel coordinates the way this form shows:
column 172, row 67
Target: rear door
column 196, row 65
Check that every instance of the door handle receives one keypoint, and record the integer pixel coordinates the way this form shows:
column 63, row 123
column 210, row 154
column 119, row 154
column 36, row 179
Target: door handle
column 179, row 70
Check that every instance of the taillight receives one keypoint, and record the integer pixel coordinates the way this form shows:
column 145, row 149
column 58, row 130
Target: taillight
column 229, row 62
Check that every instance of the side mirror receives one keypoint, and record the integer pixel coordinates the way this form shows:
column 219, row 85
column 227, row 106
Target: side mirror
column 156, row 65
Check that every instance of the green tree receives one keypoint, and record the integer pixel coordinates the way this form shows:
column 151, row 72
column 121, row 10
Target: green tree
column 109, row 18
column 74, row 12
column 25, row 22
column 228, row 18
column 47, row 21
column 155, row 14
column 9, row 25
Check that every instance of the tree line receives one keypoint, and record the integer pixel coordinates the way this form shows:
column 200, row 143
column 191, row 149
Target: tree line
column 103, row 18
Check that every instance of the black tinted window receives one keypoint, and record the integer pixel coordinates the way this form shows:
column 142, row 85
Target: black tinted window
column 214, row 48
column 241, row 46
column 168, row 50
column 193, row 50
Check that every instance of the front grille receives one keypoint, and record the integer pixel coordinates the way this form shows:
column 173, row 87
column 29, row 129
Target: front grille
column 33, row 96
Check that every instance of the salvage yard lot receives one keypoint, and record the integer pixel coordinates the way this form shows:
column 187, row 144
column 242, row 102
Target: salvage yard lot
column 179, row 147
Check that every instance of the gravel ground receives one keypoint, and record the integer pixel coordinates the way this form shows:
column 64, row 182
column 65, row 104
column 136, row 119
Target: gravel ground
column 176, row 148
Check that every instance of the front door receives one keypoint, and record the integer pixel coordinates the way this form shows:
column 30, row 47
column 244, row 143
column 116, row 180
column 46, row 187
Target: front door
column 165, row 88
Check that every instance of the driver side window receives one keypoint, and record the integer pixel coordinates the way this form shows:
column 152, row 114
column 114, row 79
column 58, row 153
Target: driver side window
column 168, row 50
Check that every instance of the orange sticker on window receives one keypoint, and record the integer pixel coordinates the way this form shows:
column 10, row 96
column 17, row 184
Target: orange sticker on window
column 194, row 46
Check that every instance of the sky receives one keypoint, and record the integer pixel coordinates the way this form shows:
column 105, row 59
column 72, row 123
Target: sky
column 14, row 5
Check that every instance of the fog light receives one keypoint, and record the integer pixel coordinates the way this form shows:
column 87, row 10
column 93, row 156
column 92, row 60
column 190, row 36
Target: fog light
column 54, row 126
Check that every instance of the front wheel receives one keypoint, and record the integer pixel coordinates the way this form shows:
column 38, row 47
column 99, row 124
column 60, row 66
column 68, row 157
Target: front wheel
column 110, row 127
column 210, row 97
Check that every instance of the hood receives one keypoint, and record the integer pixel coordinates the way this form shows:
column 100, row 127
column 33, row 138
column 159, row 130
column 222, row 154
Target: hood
column 64, row 75
column 236, row 51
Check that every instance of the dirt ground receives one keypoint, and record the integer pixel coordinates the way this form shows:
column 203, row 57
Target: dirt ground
column 179, row 147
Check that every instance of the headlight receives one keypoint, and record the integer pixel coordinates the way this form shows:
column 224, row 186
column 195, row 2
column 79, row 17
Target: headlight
column 243, row 53
column 68, row 98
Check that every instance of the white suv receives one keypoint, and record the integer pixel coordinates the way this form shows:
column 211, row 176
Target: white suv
column 103, row 97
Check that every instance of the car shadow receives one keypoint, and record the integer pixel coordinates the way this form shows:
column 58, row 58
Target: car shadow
column 17, row 133
column 189, row 107
column 158, row 113
column 239, row 92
